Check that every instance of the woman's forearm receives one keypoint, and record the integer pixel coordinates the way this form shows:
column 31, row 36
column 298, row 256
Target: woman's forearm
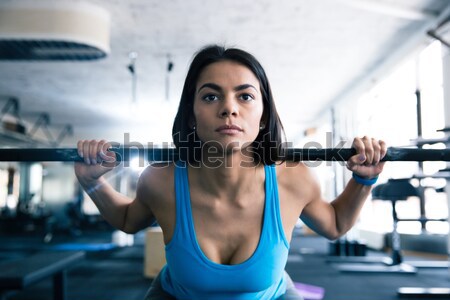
column 348, row 205
column 112, row 205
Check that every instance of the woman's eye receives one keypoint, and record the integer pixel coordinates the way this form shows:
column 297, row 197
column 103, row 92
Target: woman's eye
column 247, row 97
column 209, row 98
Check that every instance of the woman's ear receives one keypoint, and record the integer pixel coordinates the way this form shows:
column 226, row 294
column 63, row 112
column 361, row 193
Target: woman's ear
column 263, row 121
column 192, row 124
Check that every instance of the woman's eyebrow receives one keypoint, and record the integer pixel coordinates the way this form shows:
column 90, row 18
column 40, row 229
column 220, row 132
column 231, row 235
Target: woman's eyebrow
column 211, row 86
column 245, row 86
column 219, row 89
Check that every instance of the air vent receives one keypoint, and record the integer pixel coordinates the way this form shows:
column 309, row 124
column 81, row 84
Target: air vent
column 53, row 31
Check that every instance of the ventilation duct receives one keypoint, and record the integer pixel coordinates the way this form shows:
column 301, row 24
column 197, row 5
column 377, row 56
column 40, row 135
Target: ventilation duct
column 60, row 30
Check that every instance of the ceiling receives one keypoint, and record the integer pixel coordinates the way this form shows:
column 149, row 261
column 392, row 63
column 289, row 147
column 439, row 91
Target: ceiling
column 315, row 52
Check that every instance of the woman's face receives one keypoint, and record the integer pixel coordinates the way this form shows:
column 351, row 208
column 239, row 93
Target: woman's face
column 228, row 105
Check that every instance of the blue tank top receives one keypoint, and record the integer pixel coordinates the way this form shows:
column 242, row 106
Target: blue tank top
column 189, row 274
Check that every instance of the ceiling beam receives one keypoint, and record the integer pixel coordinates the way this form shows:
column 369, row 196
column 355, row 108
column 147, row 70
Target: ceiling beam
column 368, row 80
column 390, row 9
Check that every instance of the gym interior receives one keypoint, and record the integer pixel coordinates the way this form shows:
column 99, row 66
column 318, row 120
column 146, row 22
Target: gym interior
column 114, row 70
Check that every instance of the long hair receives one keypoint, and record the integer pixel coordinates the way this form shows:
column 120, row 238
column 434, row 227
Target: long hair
column 268, row 145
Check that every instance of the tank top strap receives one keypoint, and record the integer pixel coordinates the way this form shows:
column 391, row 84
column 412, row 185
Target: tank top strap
column 273, row 206
column 182, row 201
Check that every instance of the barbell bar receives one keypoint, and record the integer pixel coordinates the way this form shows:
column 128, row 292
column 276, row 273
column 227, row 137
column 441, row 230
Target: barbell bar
column 171, row 154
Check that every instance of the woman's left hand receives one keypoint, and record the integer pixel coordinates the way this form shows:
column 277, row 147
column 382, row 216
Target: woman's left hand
column 366, row 162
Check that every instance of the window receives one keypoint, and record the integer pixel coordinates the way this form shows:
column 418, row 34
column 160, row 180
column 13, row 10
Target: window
column 389, row 111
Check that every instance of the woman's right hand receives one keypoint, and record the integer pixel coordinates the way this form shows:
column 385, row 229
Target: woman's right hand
column 97, row 159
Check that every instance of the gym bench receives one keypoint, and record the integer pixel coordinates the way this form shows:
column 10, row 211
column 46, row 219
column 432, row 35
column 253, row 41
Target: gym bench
column 21, row 273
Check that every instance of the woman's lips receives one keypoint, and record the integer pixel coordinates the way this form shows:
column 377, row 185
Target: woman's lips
column 229, row 129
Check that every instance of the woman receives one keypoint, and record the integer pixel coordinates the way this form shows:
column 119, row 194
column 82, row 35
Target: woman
column 227, row 209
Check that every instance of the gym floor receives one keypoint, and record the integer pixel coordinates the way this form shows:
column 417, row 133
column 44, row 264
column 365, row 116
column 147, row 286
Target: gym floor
column 118, row 273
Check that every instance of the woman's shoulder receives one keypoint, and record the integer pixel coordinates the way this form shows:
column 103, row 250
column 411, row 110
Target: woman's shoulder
column 291, row 168
column 158, row 177
column 294, row 175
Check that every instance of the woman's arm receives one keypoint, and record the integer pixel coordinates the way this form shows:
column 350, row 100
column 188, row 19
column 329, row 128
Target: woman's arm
column 334, row 219
column 124, row 213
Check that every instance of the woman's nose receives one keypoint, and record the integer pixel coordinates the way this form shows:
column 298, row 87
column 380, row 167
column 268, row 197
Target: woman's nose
column 229, row 108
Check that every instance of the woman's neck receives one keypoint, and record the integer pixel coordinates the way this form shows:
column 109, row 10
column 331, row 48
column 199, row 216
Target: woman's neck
column 227, row 175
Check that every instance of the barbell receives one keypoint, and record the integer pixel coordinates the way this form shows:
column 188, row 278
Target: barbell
column 171, row 154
